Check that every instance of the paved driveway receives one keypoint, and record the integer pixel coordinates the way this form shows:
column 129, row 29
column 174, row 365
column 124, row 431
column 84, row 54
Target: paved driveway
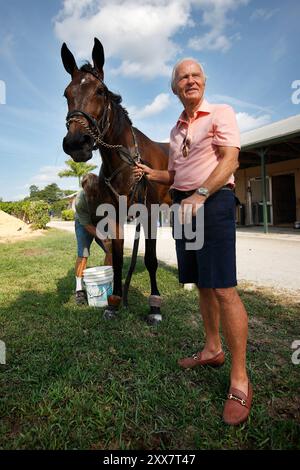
column 271, row 260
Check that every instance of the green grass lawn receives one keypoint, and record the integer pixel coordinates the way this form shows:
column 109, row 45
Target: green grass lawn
column 75, row 381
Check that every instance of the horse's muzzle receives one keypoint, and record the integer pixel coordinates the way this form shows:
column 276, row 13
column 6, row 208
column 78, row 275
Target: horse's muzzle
column 79, row 146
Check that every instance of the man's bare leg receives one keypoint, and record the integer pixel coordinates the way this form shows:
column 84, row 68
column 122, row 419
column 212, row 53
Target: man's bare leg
column 234, row 322
column 210, row 311
column 80, row 266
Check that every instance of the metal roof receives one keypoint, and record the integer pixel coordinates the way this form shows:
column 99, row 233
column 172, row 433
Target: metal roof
column 70, row 196
column 270, row 134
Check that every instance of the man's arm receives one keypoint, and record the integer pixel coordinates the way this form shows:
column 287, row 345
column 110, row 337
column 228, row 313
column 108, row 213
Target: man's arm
column 91, row 229
column 158, row 176
column 226, row 167
column 105, row 242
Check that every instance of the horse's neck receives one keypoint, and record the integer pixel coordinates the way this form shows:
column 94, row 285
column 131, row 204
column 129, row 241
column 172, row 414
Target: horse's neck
column 119, row 128
column 121, row 136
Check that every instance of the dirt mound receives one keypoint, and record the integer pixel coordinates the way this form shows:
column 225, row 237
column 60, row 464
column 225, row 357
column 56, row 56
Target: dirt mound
column 12, row 229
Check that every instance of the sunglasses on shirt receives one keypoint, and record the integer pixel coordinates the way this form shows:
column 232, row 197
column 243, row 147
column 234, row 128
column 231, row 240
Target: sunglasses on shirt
column 186, row 144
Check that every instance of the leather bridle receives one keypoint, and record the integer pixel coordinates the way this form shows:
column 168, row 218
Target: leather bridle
column 98, row 129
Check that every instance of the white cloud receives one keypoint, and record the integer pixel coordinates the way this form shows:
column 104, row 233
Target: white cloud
column 6, row 46
column 237, row 103
column 216, row 20
column 49, row 174
column 137, row 32
column 279, row 50
column 140, row 33
column 263, row 14
column 247, row 122
column 159, row 103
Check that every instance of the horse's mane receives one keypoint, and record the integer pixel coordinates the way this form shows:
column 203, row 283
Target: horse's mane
column 120, row 113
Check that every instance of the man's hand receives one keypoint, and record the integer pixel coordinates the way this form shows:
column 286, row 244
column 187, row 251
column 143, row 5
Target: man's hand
column 139, row 170
column 158, row 176
column 91, row 229
column 195, row 201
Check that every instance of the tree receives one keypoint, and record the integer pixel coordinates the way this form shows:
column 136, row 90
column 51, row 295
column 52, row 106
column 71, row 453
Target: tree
column 50, row 193
column 76, row 169
column 33, row 191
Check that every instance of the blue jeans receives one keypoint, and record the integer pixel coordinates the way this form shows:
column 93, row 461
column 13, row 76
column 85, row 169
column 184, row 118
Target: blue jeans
column 84, row 240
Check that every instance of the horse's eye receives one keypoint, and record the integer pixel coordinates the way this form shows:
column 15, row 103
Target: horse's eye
column 100, row 91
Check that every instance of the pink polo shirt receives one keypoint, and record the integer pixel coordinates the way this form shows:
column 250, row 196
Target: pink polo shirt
column 214, row 125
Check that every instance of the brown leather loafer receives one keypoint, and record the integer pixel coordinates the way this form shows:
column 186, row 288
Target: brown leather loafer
column 237, row 406
column 195, row 360
column 81, row 297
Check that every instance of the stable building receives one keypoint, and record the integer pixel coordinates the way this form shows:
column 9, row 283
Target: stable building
column 268, row 179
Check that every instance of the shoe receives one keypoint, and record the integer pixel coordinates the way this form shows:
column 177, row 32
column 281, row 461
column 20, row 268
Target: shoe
column 110, row 313
column 237, row 406
column 80, row 297
column 153, row 319
column 195, row 360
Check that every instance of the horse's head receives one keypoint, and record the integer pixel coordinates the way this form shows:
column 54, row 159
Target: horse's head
column 86, row 96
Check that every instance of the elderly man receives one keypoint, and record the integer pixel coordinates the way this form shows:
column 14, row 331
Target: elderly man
column 204, row 149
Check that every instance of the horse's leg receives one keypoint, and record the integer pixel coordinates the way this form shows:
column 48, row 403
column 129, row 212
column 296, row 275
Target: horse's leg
column 114, row 300
column 154, row 316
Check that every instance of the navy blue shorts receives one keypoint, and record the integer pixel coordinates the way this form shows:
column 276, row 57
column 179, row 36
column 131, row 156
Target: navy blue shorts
column 214, row 265
column 84, row 240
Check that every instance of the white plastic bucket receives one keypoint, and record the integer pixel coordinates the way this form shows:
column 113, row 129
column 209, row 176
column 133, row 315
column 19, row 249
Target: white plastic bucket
column 98, row 284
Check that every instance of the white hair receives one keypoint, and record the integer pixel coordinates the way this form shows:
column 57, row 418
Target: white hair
column 173, row 78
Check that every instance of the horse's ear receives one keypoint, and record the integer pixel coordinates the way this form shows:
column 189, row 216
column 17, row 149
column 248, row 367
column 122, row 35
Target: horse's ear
column 98, row 56
column 68, row 59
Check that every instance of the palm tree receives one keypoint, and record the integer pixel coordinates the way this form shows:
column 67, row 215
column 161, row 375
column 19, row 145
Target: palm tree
column 76, row 169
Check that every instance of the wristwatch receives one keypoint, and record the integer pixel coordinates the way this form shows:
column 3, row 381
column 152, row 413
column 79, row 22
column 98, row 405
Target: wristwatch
column 202, row 192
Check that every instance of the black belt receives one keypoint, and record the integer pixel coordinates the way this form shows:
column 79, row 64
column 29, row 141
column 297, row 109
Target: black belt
column 174, row 191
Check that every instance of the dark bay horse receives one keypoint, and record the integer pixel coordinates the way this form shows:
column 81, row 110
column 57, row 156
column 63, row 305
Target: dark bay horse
column 96, row 119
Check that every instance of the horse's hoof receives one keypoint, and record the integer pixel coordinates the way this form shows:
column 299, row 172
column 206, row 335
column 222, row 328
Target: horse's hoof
column 110, row 314
column 154, row 319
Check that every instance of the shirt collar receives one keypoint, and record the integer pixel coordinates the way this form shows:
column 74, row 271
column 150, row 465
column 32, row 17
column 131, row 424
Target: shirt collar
column 204, row 108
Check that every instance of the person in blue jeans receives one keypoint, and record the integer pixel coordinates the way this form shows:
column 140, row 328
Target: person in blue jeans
column 86, row 203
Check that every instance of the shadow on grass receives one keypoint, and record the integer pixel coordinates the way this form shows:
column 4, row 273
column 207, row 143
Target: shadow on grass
column 73, row 380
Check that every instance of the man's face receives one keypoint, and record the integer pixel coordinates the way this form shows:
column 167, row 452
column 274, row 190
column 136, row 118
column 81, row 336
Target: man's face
column 189, row 82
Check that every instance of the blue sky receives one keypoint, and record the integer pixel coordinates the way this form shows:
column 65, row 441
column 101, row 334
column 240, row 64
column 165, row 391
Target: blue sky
column 249, row 50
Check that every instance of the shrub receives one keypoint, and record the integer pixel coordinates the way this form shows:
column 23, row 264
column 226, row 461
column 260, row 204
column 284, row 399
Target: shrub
column 18, row 209
column 58, row 206
column 32, row 212
column 68, row 214
column 37, row 213
column 12, row 208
